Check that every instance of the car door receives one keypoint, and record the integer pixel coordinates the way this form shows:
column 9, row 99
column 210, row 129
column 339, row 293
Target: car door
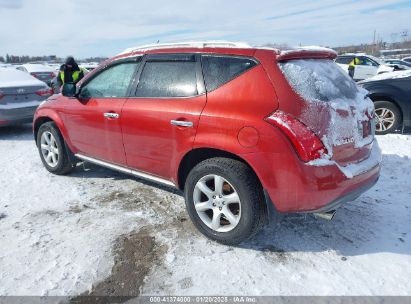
column 365, row 69
column 159, row 124
column 93, row 121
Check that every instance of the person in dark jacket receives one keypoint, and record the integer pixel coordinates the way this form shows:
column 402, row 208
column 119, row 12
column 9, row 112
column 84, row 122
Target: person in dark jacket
column 70, row 72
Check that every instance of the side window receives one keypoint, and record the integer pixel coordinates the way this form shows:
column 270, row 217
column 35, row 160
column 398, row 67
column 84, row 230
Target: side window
column 219, row 70
column 366, row 61
column 344, row 60
column 168, row 79
column 370, row 62
column 112, row 82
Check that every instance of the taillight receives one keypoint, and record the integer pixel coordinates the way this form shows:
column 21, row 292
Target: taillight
column 1, row 94
column 45, row 92
column 307, row 145
column 34, row 75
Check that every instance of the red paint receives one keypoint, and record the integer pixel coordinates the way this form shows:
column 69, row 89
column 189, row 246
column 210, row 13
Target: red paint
column 152, row 144
column 305, row 142
column 248, row 137
column 232, row 118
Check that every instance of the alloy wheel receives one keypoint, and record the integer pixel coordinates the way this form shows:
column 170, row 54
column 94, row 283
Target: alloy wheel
column 49, row 149
column 217, row 203
column 385, row 119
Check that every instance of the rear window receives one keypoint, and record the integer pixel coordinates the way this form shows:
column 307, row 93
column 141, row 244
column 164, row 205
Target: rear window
column 319, row 79
column 219, row 70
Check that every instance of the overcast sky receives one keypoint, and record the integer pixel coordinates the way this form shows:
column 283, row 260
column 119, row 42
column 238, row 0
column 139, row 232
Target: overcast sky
column 106, row 27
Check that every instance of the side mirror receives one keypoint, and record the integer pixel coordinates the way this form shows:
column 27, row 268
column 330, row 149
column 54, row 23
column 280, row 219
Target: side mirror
column 69, row 90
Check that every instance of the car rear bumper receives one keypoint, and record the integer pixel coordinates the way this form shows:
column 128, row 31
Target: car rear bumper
column 294, row 186
column 16, row 116
column 349, row 197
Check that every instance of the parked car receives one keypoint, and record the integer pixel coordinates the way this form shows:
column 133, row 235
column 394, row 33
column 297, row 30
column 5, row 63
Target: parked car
column 398, row 64
column 244, row 132
column 20, row 94
column 89, row 66
column 42, row 72
column 391, row 94
column 369, row 66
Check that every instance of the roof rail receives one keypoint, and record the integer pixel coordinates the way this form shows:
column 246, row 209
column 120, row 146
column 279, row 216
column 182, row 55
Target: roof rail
column 194, row 44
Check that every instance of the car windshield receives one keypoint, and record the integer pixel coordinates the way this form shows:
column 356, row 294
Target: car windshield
column 318, row 79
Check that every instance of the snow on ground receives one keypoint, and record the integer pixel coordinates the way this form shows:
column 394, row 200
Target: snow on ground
column 58, row 234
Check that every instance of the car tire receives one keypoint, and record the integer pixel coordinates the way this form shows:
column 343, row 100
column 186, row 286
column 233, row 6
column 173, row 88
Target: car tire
column 388, row 117
column 54, row 153
column 226, row 180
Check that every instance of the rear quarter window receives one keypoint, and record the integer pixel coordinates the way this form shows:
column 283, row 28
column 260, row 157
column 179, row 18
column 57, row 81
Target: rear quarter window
column 219, row 70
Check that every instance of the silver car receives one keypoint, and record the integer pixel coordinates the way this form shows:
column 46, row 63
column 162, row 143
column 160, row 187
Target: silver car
column 40, row 71
column 20, row 95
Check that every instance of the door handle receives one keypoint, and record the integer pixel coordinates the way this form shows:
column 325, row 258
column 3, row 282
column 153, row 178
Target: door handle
column 181, row 123
column 111, row 115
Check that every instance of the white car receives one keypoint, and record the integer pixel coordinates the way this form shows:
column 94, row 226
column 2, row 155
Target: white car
column 369, row 66
column 42, row 72
column 89, row 66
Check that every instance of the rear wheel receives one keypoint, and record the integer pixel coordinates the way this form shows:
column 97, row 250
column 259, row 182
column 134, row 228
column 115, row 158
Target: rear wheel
column 225, row 200
column 53, row 152
column 388, row 117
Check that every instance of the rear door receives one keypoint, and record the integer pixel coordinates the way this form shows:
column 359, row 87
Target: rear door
column 159, row 123
column 93, row 121
column 366, row 69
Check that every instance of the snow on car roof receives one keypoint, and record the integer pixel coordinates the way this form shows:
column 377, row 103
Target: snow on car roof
column 308, row 52
column 15, row 78
column 190, row 44
column 389, row 75
column 37, row 67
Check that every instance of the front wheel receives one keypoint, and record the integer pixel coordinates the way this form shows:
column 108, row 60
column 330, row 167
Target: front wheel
column 53, row 152
column 225, row 200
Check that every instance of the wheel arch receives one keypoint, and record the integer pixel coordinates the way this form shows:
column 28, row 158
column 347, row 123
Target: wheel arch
column 386, row 97
column 46, row 116
column 197, row 155
column 37, row 123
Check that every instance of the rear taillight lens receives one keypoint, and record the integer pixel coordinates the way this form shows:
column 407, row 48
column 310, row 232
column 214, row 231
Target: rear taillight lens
column 307, row 145
column 45, row 92
column 1, row 94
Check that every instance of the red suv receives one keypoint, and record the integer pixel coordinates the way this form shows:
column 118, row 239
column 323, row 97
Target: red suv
column 244, row 132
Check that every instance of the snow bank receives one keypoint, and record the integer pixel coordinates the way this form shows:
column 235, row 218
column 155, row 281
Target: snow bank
column 11, row 78
column 390, row 75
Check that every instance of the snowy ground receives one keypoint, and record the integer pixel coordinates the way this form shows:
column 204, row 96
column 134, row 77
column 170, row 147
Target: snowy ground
column 61, row 235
